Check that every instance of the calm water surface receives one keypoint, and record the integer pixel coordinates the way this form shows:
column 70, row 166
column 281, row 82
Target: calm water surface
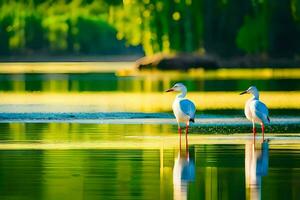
column 44, row 161
column 136, row 160
column 112, row 82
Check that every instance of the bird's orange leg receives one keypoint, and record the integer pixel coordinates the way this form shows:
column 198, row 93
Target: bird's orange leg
column 186, row 135
column 263, row 130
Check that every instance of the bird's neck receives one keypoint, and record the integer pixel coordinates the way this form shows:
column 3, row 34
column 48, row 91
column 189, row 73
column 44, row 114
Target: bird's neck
column 255, row 96
column 181, row 95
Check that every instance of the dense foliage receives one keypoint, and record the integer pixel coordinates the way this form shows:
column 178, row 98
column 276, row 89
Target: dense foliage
column 220, row 27
column 68, row 27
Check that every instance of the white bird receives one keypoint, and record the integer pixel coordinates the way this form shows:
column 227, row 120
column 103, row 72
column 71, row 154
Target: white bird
column 183, row 109
column 255, row 110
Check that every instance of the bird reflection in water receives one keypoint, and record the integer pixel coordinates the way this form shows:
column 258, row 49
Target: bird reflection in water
column 256, row 166
column 183, row 173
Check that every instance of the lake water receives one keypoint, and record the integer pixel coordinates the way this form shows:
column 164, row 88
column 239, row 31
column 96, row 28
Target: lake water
column 97, row 132
column 101, row 161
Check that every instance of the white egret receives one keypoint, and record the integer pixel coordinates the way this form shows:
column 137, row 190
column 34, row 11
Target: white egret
column 183, row 109
column 255, row 110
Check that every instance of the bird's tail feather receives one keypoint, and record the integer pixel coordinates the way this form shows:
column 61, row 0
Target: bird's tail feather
column 268, row 119
column 192, row 120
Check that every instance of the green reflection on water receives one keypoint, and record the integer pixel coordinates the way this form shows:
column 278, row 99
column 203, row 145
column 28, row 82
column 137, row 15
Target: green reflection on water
column 219, row 172
column 74, row 132
column 151, row 83
column 208, row 171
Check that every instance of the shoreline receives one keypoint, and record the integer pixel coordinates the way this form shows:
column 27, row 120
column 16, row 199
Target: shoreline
column 227, row 63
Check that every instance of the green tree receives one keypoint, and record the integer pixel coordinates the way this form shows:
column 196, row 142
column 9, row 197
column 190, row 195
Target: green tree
column 253, row 34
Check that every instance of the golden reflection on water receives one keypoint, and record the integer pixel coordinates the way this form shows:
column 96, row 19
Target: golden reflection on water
column 63, row 67
column 128, row 69
column 51, row 136
column 144, row 102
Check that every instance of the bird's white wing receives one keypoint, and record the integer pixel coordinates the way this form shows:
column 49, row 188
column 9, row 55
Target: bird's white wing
column 187, row 107
column 261, row 110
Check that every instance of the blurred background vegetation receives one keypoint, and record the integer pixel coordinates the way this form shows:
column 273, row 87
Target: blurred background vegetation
column 225, row 28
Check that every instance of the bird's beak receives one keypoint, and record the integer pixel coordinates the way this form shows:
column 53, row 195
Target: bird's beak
column 170, row 90
column 245, row 92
